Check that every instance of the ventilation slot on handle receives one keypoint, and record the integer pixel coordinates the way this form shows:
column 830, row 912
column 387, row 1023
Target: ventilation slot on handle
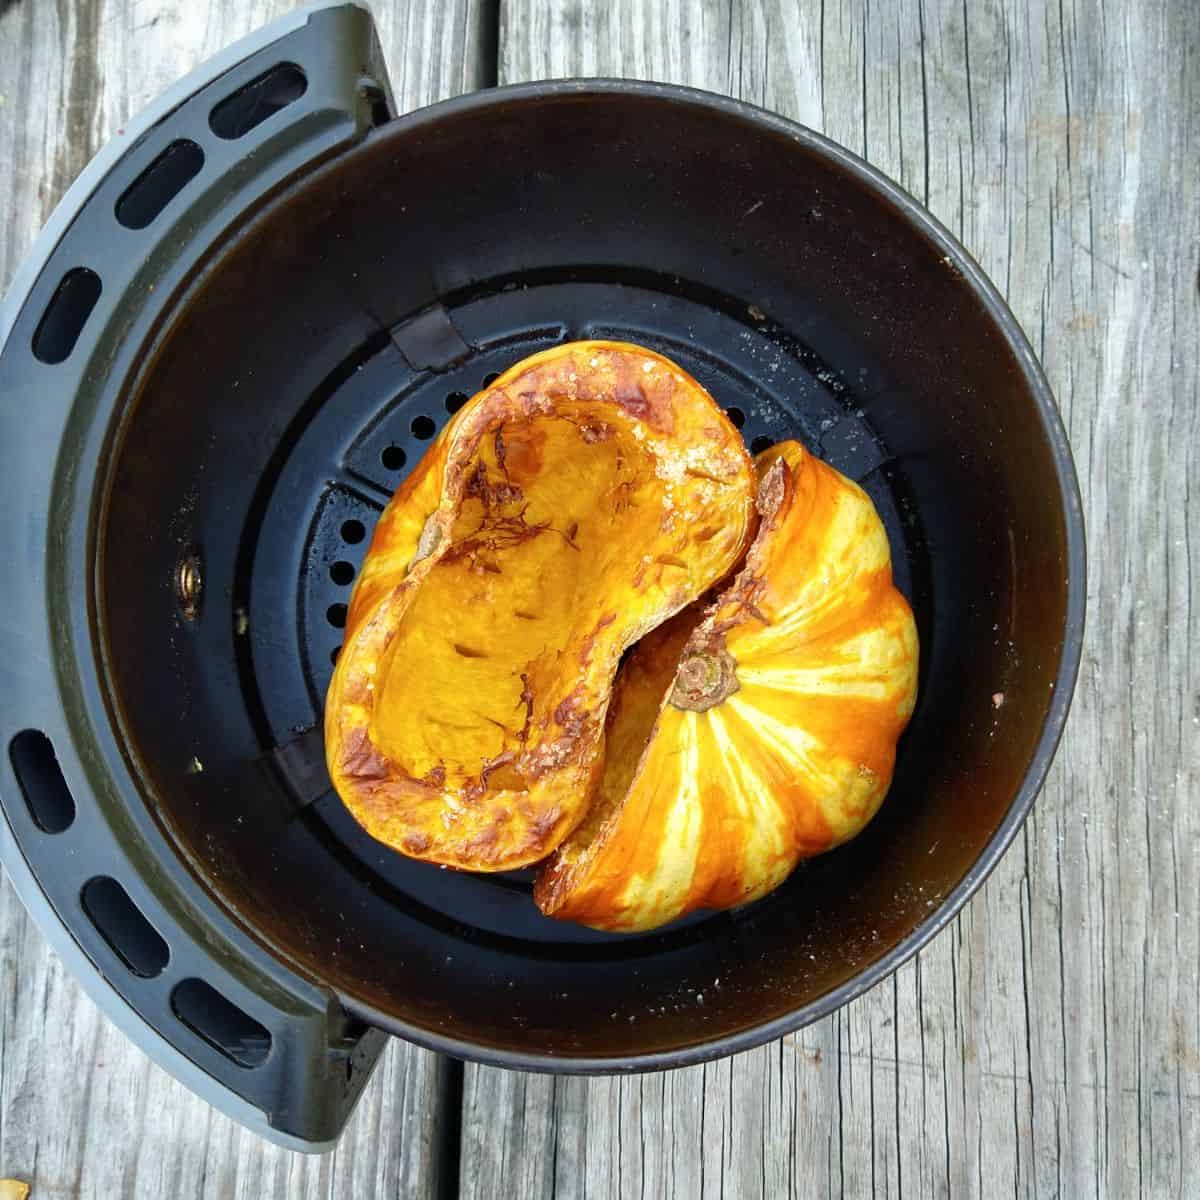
column 35, row 765
column 66, row 315
column 124, row 927
column 257, row 100
column 159, row 184
column 221, row 1023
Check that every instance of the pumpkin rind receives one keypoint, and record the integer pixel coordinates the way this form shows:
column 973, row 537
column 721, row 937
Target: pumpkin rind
column 759, row 734
column 582, row 499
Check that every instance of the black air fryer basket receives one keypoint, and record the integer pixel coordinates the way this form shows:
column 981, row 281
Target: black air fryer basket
column 242, row 327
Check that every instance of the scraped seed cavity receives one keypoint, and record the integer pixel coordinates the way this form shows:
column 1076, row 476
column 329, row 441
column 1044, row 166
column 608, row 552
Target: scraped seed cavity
column 520, row 570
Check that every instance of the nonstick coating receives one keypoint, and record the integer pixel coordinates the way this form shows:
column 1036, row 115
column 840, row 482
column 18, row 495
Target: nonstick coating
column 298, row 379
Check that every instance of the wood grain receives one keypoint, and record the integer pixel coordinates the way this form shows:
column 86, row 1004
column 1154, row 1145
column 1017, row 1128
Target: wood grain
column 83, row 1113
column 1048, row 1043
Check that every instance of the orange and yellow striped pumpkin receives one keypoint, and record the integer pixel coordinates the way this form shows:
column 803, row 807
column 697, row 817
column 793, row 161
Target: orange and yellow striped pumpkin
column 758, row 734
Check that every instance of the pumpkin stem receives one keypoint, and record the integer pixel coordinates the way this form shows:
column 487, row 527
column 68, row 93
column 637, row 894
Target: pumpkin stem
column 705, row 677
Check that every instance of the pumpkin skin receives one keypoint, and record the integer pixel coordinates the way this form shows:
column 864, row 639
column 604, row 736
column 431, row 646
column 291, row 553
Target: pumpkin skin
column 758, row 732
column 586, row 496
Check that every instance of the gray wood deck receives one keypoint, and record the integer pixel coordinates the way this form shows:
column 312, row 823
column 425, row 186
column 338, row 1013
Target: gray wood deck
column 1048, row 1043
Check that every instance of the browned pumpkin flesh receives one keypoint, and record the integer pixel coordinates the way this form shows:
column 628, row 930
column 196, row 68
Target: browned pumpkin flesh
column 586, row 496
column 754, row 733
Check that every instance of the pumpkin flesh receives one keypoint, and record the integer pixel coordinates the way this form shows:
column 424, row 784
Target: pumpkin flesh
column 534, row 565
column 581, row 500
column 758, row 732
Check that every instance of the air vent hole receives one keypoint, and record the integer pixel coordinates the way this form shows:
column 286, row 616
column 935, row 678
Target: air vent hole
column 353, row 532
column 257, row 100
column 35, row 764
column 66, row 315
column 221, row 1023
column 124, row 927
column 159, row 184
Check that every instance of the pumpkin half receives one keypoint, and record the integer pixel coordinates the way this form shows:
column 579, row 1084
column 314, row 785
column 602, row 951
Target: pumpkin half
column 757, row 732
column 571, row 507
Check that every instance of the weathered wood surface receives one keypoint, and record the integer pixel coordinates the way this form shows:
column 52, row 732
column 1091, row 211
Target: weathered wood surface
column 1048, row 1044
column 82, row 1113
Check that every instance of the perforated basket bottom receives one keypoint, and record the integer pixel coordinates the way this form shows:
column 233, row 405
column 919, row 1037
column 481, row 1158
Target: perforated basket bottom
column 377, row 416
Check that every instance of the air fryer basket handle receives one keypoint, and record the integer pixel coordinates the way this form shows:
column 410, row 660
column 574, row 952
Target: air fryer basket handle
column 260, row 1041
column 344, row 90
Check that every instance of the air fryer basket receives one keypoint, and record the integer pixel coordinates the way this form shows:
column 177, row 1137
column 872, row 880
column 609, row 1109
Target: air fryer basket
column 267, row 359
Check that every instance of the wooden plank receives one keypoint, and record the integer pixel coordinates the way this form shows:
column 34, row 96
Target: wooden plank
column 1048, row 1043
column 83, row 1113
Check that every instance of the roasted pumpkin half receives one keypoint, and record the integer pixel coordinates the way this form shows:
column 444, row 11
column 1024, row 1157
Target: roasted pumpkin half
column 567, row 510
column 754, row 732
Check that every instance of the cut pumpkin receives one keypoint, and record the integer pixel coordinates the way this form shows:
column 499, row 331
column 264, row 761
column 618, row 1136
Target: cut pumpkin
column 585, row 497
column 761, row 731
